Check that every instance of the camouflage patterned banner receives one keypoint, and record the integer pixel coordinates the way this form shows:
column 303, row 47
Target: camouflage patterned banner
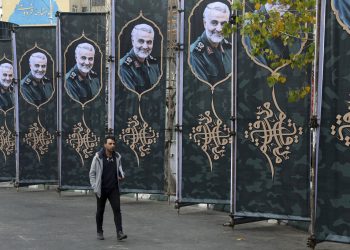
column 36, row 52
column 83, row 38
column 273, row 137
column 141, row 28
column 206, row 164
column 333, row 193
column 7, row 131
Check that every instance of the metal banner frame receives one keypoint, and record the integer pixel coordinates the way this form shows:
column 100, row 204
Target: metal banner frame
column 179, row 98
column 7, row 148
column 36, row 137
column 81, row 150
column 16, row 81
column 313, row 240
column 111, row 76
column 59, row 80
column 315, row 115
column 246, row 217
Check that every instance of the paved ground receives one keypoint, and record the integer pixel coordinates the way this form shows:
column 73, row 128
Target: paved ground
column 41, row 220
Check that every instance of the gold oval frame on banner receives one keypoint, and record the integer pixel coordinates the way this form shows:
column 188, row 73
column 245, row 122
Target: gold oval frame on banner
column 65, row 68
column 340, row 21
column 11, row 62
column 39, row 49
column 212, row 86
column 254, row 59
column 141, row 16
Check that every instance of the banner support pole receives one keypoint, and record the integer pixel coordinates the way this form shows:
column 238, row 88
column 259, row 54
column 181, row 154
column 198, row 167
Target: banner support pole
column 179, row 100
column 59, row 101
column 16, row 90
column 316, row 105
column 111, row 69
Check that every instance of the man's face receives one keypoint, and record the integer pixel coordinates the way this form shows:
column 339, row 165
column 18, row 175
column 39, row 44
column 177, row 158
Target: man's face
column 38, row 67
column 142, row 43
column 6, row 76
column 110, row 145
column 85, row 60
column 213, row 23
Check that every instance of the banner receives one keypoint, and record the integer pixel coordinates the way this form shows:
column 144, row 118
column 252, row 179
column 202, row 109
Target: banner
column 206, row 133
column 7, row 131
column 140, row 92
column 36, row 51
column 333, row 192
column 83, row 43
column 273, row 144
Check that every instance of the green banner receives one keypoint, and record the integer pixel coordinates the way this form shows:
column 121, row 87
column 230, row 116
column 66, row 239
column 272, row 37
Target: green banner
column 83, row 43
column 7, row 133
column 273, row 144
column 36, row 52
column 206, row 164
column 140, row 92
column 333, row 192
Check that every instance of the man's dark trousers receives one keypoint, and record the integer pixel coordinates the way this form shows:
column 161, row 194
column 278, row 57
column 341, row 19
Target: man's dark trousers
column 114, row 199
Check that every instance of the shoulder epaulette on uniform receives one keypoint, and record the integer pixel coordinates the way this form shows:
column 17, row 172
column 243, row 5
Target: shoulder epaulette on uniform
column 28, row 80
column 128, row 61
column 72, row 75
column 93, row 73
column 151, row 58
column 227, row 42
column 199, row 47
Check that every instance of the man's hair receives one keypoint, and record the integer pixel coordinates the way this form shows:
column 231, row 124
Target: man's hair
column 38, row 55
column 218, row 6
column 86, row 46
column 6, row 66
column 144, row 27
column 111, row 137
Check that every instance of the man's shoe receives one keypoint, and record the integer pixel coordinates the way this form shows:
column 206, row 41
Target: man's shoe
column 100, row 236
column 121, row 235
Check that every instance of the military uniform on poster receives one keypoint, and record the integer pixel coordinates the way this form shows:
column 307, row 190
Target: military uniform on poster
column 82, row 89
column 209, row 63
column 36, row 92
column 136, row 75
column 6, row 98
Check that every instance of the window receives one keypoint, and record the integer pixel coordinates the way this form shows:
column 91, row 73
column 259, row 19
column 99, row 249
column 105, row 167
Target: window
column 74, row 8
column 98, row 2
column 84, row 9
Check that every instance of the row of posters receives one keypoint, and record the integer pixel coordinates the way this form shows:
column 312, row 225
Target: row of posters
column 272, row 149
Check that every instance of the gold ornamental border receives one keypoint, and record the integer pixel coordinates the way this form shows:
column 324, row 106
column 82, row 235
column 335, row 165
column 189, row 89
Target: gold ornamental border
column 4, row 58
column 212, row 87
column 65, row 68
column 37, row 48
column 253, row 58
column 141, row 16
column 340, row 21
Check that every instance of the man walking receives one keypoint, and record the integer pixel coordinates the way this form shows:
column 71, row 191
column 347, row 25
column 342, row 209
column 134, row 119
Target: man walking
column 105, row 173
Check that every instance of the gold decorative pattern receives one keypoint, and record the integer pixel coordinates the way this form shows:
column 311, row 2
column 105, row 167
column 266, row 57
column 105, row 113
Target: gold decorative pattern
column 273, row 133
column 7, row 141
column 139, row 136
column 212, row 136
column 83, row 140
column 38, row 138
column 342, row 128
